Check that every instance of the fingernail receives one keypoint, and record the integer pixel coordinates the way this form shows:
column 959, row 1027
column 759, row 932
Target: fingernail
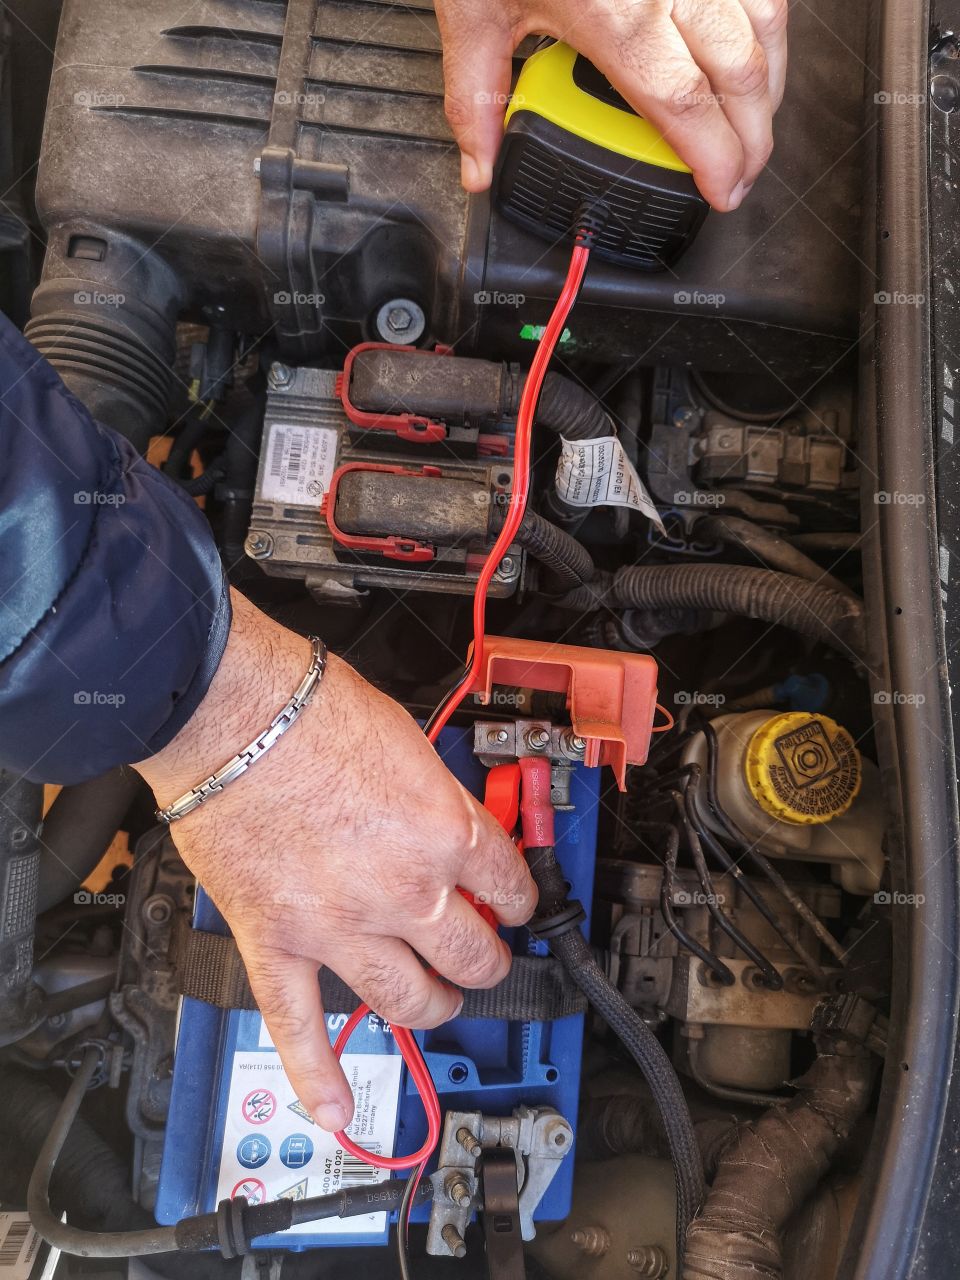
column 747, row 189
column 331, row 1116
column 735, row 197
column 457, row 1006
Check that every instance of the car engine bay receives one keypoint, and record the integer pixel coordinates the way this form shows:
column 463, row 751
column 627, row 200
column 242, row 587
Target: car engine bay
column 259, row 266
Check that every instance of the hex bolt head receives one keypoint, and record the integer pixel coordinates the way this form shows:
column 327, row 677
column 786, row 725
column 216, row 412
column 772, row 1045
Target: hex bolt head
column 537, row 739
column 507, row 569
column 497, row 737
column 157, row 909
column 280, row 375
column 454, row 1241
column 401, row 320
column 259, row 545
column 459, row 1191
column 469, row 1141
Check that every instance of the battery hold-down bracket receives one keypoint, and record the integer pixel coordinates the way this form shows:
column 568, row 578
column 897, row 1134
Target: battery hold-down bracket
column 538, row 1138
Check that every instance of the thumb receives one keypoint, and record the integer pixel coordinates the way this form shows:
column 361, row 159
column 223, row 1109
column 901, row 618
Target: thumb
column 477, row 65
column 288, row 994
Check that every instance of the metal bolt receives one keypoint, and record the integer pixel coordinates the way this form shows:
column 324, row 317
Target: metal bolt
column 259, row 545
column 469, row 1141
column 497, row 737
column 157, row 909
column 459, row 1191
column 559, row 1139
column 649, row 1261
column 537, row 739
column 508, row 568
column 401, row 320
column 454, row 1241
column 280, row 376
column 593, row 1241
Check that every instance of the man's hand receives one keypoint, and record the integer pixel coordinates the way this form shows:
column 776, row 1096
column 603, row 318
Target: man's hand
column 708, row 73
column 344, row 846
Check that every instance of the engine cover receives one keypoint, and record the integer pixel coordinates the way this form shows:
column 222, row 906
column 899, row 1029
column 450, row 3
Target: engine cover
column 288, row 171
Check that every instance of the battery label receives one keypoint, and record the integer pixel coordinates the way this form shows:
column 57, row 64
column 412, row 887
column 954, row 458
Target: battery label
column 598, row 473
column 272, row 1149
column 299, row 463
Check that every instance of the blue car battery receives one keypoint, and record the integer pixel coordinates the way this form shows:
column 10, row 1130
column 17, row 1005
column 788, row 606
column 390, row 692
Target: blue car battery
column 235, row 1126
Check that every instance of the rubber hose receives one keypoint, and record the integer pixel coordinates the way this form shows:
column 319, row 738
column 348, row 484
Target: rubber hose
column 767, row 1169
column 78, row 829
column 767, row 547
column 574, row 952
column 780, row 598
column 567, row 559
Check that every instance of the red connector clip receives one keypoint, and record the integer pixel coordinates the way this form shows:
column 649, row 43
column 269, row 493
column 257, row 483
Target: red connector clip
column 405, row 426
column 393, row 546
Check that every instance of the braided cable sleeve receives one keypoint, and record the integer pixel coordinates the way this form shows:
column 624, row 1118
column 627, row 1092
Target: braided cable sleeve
column 637, row 1038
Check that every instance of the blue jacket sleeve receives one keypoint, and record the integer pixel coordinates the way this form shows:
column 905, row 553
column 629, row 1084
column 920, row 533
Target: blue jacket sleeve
column 114, row 609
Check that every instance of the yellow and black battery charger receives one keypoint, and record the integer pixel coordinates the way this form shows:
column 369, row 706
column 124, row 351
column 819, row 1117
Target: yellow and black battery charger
column 571, row 141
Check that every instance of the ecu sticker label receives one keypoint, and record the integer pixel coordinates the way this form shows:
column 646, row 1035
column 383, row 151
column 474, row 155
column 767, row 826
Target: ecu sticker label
column 598, row 473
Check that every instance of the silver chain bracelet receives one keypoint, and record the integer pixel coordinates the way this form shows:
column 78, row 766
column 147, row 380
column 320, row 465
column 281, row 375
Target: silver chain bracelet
column 241, row 762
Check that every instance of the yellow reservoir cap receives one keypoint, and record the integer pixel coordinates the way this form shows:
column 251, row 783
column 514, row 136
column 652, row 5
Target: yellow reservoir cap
column 802, row 768
column 546, row 87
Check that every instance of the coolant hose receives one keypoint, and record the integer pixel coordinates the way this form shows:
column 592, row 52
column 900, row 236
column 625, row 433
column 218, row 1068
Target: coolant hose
column 78, row 829
column 567, row 559
column 767, row 547
column 766, row 1170
column 780, row 598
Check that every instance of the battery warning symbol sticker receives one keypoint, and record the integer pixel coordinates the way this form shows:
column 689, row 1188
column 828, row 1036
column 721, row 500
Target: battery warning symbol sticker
column 252, row 1188
column 298, row 1109
column 297, row 1192
column 259, row 1106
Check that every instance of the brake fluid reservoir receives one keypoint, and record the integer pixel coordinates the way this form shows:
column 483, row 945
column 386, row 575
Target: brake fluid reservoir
column 797, row 787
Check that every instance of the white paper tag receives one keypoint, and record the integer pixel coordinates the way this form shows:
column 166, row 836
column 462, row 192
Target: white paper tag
column 18, row 1246
column 299, row 463
column 272, row 1149
column 598, row 473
